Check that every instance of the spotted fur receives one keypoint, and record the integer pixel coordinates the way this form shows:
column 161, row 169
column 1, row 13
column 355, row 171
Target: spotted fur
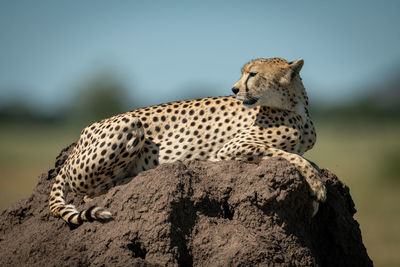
column 267, row 117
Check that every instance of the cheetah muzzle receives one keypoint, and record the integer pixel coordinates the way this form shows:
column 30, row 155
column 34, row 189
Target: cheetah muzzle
column 275, row 124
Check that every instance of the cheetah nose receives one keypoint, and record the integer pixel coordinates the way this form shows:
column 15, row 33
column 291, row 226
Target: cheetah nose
column 235, row 90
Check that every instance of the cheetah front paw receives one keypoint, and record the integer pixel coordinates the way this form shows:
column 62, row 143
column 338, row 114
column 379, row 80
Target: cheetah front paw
column 315, row 205
column 319, row 193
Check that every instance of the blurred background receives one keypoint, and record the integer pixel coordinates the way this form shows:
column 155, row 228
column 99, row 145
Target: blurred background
column 66, row 64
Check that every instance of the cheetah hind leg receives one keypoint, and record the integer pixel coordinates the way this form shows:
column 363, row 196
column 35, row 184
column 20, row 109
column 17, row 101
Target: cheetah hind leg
column 133, row 139
column 87, row 199
column 68, row 212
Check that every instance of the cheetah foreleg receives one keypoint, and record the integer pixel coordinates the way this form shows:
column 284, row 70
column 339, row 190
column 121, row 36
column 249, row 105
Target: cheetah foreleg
column 256, row 152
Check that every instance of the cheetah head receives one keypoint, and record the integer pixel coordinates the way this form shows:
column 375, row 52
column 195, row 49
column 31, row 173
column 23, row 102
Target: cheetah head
column 270, row 82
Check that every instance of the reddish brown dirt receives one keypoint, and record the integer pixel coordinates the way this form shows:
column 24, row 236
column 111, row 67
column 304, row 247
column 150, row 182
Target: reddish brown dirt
column 192, row 214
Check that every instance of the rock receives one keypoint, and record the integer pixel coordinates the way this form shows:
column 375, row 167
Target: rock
column 192, row 214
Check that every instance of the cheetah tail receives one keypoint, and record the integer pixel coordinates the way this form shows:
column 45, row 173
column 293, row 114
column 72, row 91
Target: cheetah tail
column 68, row 212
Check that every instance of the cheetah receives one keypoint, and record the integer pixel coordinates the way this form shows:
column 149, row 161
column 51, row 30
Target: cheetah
column 267, row 116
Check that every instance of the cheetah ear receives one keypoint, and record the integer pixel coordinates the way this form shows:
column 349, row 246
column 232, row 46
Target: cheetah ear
column 296, row 65
column 294, row 69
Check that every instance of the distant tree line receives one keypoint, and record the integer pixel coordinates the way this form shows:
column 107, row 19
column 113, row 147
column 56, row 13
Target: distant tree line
column 101, row 96
column 105, row 95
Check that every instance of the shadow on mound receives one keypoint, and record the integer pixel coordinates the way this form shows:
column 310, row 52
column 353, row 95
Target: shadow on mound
column 192, row 214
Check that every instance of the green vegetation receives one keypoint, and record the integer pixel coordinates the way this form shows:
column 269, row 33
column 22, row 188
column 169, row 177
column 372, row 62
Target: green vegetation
column 366, row 158
column 26, row 150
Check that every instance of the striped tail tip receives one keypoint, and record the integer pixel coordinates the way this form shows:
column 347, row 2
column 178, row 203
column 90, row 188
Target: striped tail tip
column 94, row 213
column 73, row 217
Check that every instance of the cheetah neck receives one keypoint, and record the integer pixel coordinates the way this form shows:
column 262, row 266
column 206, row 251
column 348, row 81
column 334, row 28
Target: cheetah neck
column 302, row 110
column 300, row 99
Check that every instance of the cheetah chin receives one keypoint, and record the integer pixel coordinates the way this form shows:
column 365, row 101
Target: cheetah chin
column 250, row 102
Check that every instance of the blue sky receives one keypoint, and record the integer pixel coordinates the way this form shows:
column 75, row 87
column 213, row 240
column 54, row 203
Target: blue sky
column 162, row 48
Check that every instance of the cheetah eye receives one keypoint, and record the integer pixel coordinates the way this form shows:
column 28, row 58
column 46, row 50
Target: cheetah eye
column 252, row 74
